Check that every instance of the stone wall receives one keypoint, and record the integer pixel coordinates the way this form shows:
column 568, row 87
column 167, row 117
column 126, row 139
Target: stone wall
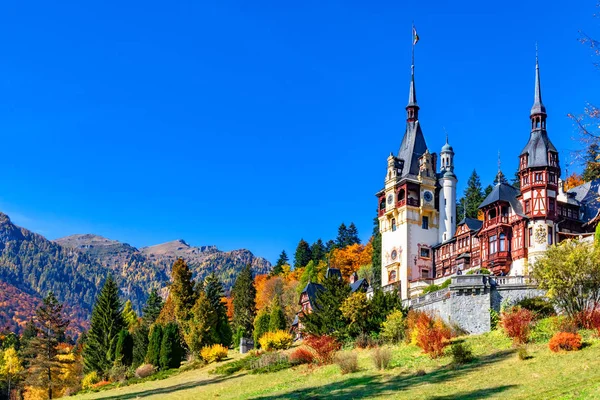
column 468, row 300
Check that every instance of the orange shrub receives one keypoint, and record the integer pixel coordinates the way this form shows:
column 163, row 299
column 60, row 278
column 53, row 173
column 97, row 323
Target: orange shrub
column 432, row 334
column 565, row 341
column 302, row 355
column 324, row 346
column 516, row 322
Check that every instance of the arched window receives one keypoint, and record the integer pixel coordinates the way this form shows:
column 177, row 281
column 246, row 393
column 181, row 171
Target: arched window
column 401, row 195
column 392, row 276
column 502, row 242
column 393, row 224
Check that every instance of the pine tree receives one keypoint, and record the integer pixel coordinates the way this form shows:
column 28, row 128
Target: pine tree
column 171, row 352
column 129, row 315
column 303, row 254
column 500, row 178
column 516, row 181
column 342, row 237
column 329, row 246
column 153, row 354
column 152, row 309
column 106, row 323
column 317, row 251
column 261, row 326
column 486, row 192
column 281, row 261
column 214, row 293
column 124, row 348
column 376, row 255
column 244, row 306
column 592, row 163
column 277, row 318
column 352, row 235
column 45, row 367
column 326, row 317
column 473, row 196
column 182, row 290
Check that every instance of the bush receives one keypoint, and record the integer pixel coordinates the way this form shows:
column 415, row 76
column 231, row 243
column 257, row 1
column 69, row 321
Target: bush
column 124, row 348
column 347, row 361
column 235, row 366
column 432, row 334
column 261, row 326
column 461, row 353
column 589, row 319
column 494, row 319
column 516, row 323
column 538, row 305
column 118, row 373
column 381, row 356
column 565, row 341
column 430, row 289
column 522, row 353
column 144, row 371
column 482, row 271
column 269, row 362
column 302, row 355
column 324, row 346
column 545, row 328
column 90, row 380
column 364, row 341
column 213, row 353
column 279, row 340
column 237, row 337
column 394, row 327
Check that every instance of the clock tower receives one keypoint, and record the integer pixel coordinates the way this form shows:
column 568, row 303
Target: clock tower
column 407, row 211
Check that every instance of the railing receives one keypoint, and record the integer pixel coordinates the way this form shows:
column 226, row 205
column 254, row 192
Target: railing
column 514, row 280
column 412, row 202
column 391, row 287
column 427, row 298
column 497, row 220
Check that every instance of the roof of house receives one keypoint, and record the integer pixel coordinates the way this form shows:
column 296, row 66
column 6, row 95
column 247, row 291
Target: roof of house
column 311, row 289
column 537, row 147
column 333, row 272
column 472, row 223
column 357, row 285
column 588, row 196
column 413, row 146
column 507, row 193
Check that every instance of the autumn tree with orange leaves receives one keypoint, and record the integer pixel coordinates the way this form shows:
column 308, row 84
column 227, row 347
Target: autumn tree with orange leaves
column 349, row 259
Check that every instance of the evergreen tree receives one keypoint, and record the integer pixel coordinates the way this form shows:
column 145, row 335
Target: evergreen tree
column 171, row 352
column 473, row 196
column 592, row 163
column 106, row 323
column 182, row 290
column 310, row 274
column 352, row 235
column 201, row 329
column 281, row 261
column 326, row 317
column 277, row 318
column 261, row 326
column 29, row 333
column 124, row 348
column 244, row 306
column 45, row 367
column 516, row 181
column 214, row 294
column 303, row 254
column 342, row 237
column 486, row 192
column 329, row 246
column 140, row 343
column 129, row 315
column 376, row 255
column 152, row 309
column 381, row 305
column 500, row 178
column 317, row 251
column 153, row 354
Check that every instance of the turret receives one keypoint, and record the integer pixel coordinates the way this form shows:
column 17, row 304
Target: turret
column 447, row 181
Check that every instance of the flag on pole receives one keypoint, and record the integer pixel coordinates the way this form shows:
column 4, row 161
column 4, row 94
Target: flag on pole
column 415, row 36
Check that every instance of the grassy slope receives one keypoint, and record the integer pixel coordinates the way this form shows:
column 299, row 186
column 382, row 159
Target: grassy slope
column 497, row 373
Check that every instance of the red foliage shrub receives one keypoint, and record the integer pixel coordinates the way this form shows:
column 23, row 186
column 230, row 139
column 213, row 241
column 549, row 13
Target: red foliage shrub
column 432, row 334
column 565, row 341
column 516, row 322
column 324, row 346
column 302, row 355
column 588, row 319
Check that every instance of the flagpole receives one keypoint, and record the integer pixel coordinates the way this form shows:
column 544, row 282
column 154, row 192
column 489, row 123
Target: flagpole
column 412, row 40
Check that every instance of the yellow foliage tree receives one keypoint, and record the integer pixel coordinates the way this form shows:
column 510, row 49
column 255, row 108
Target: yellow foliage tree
column 11, row 368
column 572, row 181
column 349, row 259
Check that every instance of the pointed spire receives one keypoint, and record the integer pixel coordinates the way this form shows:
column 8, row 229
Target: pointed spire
column 412, row 94
column 538, row 106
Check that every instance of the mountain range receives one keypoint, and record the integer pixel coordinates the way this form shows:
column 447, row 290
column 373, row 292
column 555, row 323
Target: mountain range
column 75, row 267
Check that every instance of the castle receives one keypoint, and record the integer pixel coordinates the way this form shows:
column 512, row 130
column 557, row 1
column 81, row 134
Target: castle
column 422, row 241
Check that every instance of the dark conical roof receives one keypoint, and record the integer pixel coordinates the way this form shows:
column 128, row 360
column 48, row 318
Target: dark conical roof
column 537, row 147
column 413, row 146
column 538, row 106
column 412, row 93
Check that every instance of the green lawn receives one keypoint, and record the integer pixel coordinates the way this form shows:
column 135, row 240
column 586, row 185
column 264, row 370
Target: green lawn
column 497, row 373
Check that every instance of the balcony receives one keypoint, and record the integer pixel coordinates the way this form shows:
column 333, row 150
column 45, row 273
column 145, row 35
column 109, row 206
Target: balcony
column 496, row 221
column 412, row 202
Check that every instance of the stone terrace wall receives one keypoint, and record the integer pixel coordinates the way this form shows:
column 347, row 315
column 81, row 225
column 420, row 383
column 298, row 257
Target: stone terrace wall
column 468, row 300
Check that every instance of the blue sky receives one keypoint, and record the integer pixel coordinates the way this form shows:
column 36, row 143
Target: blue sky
column 255, row 124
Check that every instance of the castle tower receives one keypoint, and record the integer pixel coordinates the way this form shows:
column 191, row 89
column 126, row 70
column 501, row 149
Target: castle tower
column 447, row 182
column 539, row 172
column 408, row 218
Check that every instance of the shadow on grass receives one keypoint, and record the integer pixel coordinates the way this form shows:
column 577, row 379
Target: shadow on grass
column 171, row 389
column 375, row 384
column 474, row 394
